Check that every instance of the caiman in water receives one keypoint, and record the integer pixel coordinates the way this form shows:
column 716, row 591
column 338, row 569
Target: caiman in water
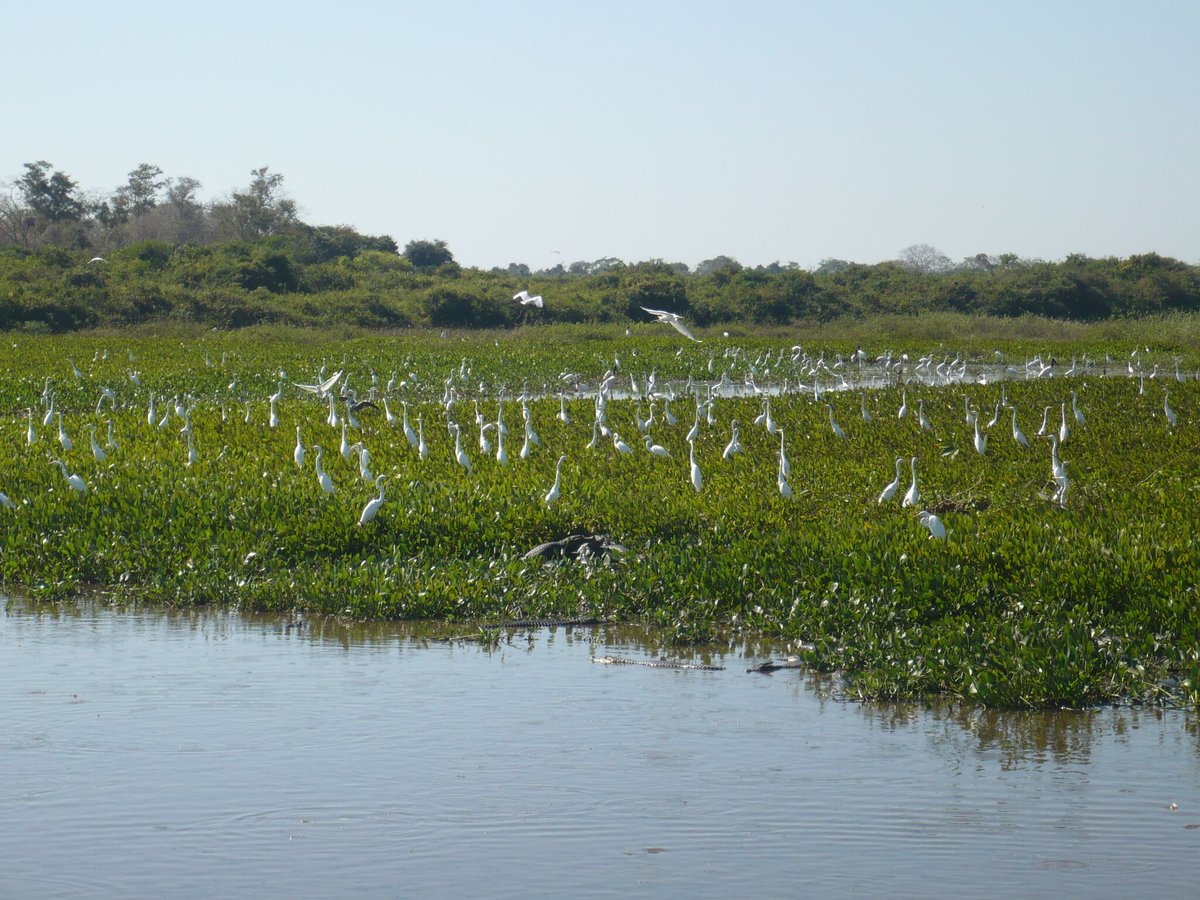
column 661, row 663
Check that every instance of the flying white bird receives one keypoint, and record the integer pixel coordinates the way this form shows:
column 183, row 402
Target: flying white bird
column 321, row 388
column 675, row 321
column 526, row 300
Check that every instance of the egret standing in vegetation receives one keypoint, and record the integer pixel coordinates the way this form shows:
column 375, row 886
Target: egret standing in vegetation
column 298, row 453
column 1172, row 420
column 734, row 445
column 322, row 476
column 97, row 452
column 912, row 496
column 837, row 429
column 372, row 508
column 697, row 478
column 67, row 444
column 76, row 482
column 552, row 494
column 934, row 524
column 890, row 491
column 1018, row 435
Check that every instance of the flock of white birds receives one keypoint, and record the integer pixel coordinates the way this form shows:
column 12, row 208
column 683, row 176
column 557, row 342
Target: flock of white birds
column 805, row 375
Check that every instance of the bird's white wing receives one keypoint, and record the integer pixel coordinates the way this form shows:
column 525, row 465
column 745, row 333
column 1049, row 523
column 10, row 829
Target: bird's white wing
column 321, row 387
column 521, row 295
column 536, row 301
column 658, row 312
column 679, row 326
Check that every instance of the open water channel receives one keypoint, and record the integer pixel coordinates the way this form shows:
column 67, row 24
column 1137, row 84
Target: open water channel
column 213, row 755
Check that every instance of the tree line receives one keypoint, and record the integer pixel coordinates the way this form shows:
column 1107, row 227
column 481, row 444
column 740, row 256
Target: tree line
column 151, row 250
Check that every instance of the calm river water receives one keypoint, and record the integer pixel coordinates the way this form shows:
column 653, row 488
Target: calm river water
column 212, row 755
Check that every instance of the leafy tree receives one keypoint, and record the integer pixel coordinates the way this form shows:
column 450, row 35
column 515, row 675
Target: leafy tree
column 428, row 254
column 260, row 210
column 51, row 194
column 709, row 266
column 831, row 266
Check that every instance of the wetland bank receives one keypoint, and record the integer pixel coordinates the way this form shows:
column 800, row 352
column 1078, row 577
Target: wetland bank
column 1035, row 599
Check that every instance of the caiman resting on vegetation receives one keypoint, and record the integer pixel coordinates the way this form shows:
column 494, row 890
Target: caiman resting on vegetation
column 576, row 546
column 661, row 663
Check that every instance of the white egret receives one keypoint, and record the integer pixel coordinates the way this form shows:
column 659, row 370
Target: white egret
column 697, row 478
column 501, row 454
column 67, row 444
column 6, row 502
column 620, row 444
column 675, row 321
column 912, row 496
column 388, row 415
column 865, row 412
column 1045, row 426
column 422, row 449
column 97, row 451
column 1172, row 419
column 890, row 491
column 460, row 455
column 980, row 440
column 485, row 446
column 694, row 431
column 76, row 482
column 1079, row 419
column 1063, row 431
column 321, row 388
column 921, row 420
column 735, row 444
column 272, row 417
column 298, row 453
column 656, row 449
column 111, row 442
column 785, row 467
column 995, row 416
column 525, row 300
column 344, row 448
column 552, row 494
column 322, row 476
column 372, row 508
column 1018, row 435
column 903, row 405
column 409, row 434
column 781, row 482
column 30, row 434
column 192, row 455
column 837, row 429
column 934, row 524
column 595, row 441
column 562, row 410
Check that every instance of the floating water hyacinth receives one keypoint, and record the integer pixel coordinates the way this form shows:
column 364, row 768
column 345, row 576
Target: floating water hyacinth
column 1068, row 575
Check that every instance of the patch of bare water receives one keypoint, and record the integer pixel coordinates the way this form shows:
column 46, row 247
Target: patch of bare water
column 208, row 754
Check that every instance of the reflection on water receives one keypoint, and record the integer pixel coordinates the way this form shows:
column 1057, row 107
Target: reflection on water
column 211, row 754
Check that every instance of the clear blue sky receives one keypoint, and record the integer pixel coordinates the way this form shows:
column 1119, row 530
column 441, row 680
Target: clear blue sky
column 675, row 130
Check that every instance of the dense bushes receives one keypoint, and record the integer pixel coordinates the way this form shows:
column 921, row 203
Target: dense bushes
column 320, row 276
